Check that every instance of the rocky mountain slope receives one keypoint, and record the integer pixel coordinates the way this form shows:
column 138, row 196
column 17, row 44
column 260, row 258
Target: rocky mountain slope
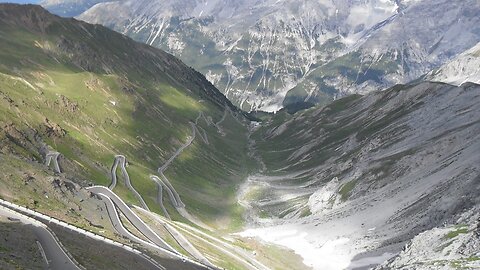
column 448, row 247
column 69, row 8
column 463, row 68
column 349, row 184
column 346, row 185
column 268, row 54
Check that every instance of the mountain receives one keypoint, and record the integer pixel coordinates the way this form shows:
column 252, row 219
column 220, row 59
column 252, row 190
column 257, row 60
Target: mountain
column 348, row 185
column 69, row 8
column 420, row 37
column 267, row 54
column 463, row 68
column 117, row 155
column 452, row 245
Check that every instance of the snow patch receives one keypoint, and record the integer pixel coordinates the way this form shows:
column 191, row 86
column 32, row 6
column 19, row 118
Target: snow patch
column 326, row 255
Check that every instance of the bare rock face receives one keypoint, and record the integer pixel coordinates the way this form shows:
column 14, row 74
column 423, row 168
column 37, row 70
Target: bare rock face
column 69, row 8
column 11, row 131
column 12, row 134
column 462, row 69
column 64, row 185
column 53, row 129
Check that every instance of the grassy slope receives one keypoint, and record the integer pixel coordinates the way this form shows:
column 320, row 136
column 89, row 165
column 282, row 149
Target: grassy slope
column 114, row 96
column 301, row 128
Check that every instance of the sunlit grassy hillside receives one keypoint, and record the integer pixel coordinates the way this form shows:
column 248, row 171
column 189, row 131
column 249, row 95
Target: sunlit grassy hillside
column 90, row 93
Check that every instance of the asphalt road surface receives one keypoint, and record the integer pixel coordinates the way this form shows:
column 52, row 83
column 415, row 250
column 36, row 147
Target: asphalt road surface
column 53, row 157
column 122, row 161
column 56, row 257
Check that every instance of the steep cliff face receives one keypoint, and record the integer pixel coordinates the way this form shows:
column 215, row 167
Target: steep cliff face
column 259, row 52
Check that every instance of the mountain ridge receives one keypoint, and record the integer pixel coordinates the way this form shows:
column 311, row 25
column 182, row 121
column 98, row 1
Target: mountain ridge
column 37, row 19
column 283, row 53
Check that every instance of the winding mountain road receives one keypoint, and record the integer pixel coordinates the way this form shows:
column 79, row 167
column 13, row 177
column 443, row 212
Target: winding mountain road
column 52, row 251
column 171, row 259
column 203, row 136
column 217, row 124
column 130, row 215
column 176, row 202
column 163, row 181
column 122, row 161
column 235, row 252
column 113, row 173
column 52, row 157
column 202, row 115
column 117, row 222
column 178, row 151
column 172, row 193
column 180, row 239
column 113, row 202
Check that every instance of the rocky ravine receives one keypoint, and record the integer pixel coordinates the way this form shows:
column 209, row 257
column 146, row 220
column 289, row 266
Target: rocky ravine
column 268, row 54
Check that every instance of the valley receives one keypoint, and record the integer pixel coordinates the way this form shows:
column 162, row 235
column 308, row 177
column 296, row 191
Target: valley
column 117, row 155
column 73, row 105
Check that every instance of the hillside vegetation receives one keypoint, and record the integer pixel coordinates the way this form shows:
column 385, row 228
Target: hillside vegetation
column 90, row 94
